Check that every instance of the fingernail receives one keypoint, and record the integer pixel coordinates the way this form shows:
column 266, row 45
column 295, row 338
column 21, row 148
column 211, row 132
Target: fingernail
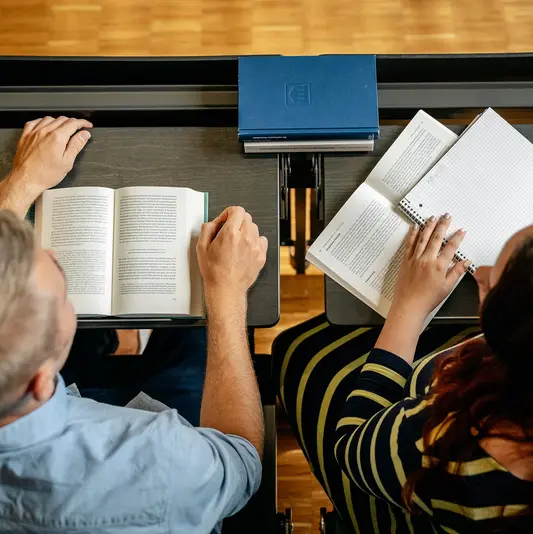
column 446, row 216
column 462, row 230
column 432, row 218
column 467, row 264
column 85, row 135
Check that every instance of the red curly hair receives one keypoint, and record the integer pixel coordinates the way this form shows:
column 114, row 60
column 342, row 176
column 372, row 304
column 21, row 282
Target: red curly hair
column 485, row 382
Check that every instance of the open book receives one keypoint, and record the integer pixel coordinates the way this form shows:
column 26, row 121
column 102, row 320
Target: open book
column 361, row 248
column 486, row 182
column 126, row 252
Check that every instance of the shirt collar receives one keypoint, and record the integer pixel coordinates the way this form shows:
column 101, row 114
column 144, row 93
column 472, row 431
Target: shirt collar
column 41, row 424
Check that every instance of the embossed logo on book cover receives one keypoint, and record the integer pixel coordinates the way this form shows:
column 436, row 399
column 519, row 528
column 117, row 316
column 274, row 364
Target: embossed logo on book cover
column 298, row 94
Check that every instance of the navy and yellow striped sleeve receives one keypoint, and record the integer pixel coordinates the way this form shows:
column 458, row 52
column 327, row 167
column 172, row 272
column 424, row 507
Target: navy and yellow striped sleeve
column 379, row 429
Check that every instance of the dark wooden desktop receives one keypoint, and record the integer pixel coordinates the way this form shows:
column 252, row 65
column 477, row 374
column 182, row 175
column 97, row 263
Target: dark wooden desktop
column 342, row 176
column 172, row 121
column 205, row 159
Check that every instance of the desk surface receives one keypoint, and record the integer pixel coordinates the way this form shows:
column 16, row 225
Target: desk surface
column 343, row 174
column 205, row 159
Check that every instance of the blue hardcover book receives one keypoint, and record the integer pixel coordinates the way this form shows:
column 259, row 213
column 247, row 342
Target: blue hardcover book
column 314, row 97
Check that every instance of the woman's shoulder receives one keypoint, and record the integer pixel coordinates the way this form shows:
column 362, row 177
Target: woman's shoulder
column 419, row 382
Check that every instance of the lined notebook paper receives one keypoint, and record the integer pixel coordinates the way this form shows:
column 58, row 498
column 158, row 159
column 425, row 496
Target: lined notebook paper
column 485, row 181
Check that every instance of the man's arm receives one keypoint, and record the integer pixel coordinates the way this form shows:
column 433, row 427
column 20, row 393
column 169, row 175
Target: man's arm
column 14, row 196
column 231, row 254
column 45, row 154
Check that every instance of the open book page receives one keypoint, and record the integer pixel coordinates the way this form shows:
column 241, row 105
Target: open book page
column 198, row 214
column 362, row 247
column 417, row 148
column 77, row 223
column 152, row 268
column 486, row 182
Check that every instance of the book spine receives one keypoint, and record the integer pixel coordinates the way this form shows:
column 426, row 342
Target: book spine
column 306, row 136
column 409, row 210
column 277, row 148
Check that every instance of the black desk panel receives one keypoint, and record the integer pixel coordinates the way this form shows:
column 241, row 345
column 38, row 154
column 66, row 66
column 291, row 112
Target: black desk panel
column 342, row 175
column 205, row 159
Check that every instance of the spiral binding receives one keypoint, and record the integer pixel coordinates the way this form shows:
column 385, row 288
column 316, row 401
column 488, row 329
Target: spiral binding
column 405, row 207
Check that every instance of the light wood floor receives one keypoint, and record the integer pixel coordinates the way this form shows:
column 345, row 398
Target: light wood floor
column 217, row 27
column 212, row 27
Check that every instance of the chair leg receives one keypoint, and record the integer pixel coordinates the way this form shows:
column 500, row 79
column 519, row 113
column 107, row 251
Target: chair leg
column 284, row 520
column 298, row 260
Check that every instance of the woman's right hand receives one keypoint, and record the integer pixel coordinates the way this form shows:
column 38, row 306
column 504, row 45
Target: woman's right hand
column 426, row 278
column 424, row 281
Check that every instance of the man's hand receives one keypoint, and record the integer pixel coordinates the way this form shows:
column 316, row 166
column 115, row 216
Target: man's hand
column 45, row 154
column 231, row 253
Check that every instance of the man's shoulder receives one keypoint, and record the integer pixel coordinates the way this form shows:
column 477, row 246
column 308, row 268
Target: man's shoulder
column 89, row 414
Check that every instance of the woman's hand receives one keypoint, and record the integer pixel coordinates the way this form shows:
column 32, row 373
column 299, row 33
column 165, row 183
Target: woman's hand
column 425, row 279
column 426, row 274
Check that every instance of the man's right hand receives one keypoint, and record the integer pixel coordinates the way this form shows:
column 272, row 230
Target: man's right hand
column 46, row 153
column 231, row 253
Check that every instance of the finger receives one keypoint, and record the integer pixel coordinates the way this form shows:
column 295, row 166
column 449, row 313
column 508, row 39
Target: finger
column 208, row 232
column 423, row 236
column 250, row 230
column 45, row 121
column 71, row 126
column 29, row 126
column 448, row 252
column 453, row 275
column 263, row 243
column 411, row 241
column 235, row 218
column 55, row 124
column 75, row 146
column 248, row 226
column 437, row 237
column 223, row 217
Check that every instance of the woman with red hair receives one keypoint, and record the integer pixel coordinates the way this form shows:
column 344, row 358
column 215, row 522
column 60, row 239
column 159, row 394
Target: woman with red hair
column 430, row 432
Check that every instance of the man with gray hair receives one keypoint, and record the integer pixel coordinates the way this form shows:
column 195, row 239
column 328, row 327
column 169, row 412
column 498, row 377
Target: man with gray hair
column 71, row 464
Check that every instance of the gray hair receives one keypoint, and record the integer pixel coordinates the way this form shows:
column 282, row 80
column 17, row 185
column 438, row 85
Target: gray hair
column 28, row 319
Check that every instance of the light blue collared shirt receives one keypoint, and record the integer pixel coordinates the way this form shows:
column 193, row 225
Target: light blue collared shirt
column 78, row 466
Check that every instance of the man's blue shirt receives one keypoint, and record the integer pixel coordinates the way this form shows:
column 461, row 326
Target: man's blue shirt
column 75, row 465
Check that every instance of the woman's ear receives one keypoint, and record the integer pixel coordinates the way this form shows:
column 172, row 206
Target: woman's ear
column 482, row 277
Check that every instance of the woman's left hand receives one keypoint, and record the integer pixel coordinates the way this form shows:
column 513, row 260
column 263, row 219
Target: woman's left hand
column 426, row 278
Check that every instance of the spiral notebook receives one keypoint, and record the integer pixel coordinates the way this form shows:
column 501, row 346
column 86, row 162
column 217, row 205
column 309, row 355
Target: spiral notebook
column 485, row 181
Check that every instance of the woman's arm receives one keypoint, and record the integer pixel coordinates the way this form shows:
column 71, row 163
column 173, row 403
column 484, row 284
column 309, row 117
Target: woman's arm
column 377, row 452
column 424, row 281
column 378, row 429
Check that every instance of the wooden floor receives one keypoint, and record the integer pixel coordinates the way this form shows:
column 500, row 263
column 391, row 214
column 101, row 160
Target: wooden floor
column 217, row 27
column 212, row 27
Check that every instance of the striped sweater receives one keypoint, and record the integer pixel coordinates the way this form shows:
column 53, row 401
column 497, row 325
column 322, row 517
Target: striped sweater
column 379, row 444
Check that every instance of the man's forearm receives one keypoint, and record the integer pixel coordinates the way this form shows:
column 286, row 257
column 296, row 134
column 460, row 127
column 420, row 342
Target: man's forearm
column 231, row 402
column 14, row 195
